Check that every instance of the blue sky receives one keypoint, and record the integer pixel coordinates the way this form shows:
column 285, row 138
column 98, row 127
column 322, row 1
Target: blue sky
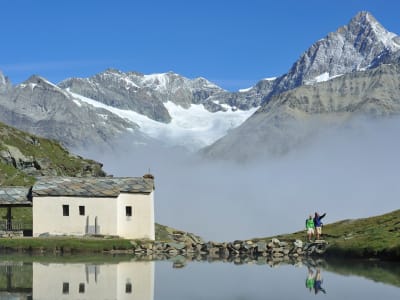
column 232, row 43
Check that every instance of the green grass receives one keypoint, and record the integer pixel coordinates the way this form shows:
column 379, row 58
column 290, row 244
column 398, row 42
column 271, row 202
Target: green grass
column 65, row 244
column 69, row 244
column 374, row 237
column 19, row 214
column 10, row 176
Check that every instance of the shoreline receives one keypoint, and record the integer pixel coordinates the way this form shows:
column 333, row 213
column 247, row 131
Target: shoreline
column 274, row 249
column 375, row 237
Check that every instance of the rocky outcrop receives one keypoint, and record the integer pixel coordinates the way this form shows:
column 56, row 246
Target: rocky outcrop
column 5, row 84
column 13, row 157
column 43, row 166
column 35, row 156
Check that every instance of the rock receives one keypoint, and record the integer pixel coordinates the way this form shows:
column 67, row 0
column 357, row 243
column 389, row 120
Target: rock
column 298, row 243
column 214, row 252
column 237, row 245
column 177, row 246
column 173, row 252
column 275, row 241
column 277, row 249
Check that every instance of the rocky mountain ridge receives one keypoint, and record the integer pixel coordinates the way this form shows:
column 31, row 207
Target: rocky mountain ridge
column 144, row 94
column 59, row 112
column 142, row 108
column 42, row 108
column 361, row 44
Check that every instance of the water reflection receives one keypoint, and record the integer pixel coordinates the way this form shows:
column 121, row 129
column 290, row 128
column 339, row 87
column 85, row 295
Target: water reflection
column 15, row 280
column 124, row 278
column 314, row 280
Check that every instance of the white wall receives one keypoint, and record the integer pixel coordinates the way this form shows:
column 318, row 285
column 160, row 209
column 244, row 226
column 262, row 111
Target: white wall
column 103, row 281
column 48, row 215
column 141, row 223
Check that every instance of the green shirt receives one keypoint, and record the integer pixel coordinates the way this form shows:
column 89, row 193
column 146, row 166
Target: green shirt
column 310, row 223
column 310, row 283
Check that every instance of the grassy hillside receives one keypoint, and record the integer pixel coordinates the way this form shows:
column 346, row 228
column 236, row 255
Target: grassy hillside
column 46, row 156
column 11, row 176
column 374, row 237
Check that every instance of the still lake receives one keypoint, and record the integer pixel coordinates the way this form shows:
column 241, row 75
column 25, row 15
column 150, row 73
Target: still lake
column 25, row 277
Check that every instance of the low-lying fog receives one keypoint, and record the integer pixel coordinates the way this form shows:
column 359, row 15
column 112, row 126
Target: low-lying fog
column 347, row 173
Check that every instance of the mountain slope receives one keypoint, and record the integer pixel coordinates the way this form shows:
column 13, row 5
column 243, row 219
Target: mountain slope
column 39, row 107
column 23, row 156
column 144, row 94
column 293, row 118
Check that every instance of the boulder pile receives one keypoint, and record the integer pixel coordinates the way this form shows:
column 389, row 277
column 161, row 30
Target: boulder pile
column 272, row 250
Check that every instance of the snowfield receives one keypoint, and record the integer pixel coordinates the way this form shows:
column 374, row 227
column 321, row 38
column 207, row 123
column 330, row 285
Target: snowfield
column 192, row 128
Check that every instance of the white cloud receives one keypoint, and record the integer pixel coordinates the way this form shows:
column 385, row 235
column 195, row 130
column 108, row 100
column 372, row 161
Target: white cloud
column 349, row 173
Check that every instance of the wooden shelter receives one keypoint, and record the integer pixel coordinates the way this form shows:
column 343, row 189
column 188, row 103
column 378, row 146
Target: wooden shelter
column 11, row 197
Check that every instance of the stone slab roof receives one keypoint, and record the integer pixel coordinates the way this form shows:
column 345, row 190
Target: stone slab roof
column 91, row 186
column 10, row 196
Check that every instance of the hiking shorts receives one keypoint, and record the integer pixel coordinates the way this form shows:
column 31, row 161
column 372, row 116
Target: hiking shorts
column 319, row 230
column 310, row 230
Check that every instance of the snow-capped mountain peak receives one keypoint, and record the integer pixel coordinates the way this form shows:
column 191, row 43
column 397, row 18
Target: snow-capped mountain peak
column 353, row 47
column 159, row 81
column 368, row 22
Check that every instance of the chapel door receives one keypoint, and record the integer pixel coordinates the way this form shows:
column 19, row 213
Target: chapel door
column 92, row 226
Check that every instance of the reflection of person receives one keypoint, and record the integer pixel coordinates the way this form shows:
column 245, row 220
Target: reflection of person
column 318, row 224
column 318, row 282
column 310, row 279
column 310, row 227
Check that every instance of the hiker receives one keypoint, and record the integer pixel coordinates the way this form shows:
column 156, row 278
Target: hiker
column 318, row 224
column 310, row 227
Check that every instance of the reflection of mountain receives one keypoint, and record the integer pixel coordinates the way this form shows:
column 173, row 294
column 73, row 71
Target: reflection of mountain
column 125, row 280
column 379, row 271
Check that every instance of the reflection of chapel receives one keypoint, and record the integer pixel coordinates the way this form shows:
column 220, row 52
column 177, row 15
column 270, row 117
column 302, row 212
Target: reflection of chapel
column 90, row 205
column 123, row 280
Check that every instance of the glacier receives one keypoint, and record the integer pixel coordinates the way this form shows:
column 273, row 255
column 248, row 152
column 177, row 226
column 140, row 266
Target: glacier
column 192, row 128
